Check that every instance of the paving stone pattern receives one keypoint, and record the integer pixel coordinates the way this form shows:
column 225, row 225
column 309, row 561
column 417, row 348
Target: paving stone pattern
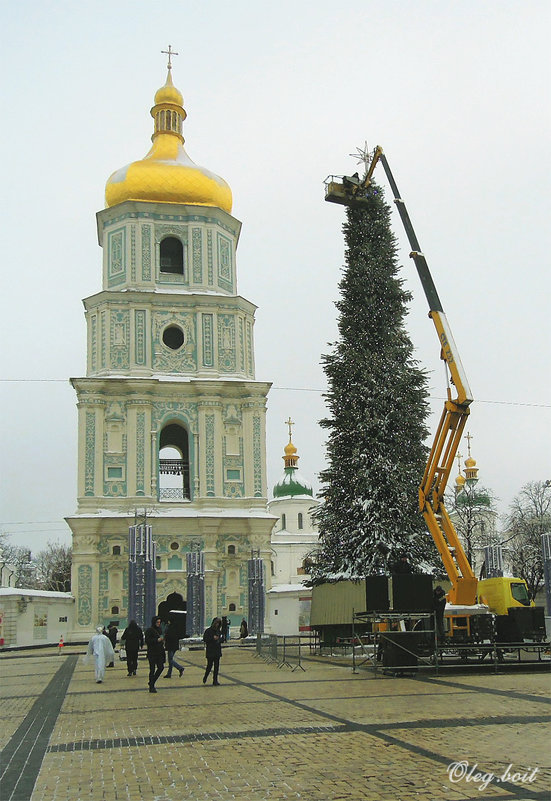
column 325, row 734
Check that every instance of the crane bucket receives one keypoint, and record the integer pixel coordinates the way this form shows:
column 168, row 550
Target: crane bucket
column 345, row 190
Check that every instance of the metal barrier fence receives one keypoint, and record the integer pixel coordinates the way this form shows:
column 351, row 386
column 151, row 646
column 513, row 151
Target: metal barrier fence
column 284, row 651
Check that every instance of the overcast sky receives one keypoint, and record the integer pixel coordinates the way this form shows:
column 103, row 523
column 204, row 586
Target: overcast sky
column 278, row 95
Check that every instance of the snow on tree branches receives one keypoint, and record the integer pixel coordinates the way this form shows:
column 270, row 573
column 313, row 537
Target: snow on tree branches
column 377, row 407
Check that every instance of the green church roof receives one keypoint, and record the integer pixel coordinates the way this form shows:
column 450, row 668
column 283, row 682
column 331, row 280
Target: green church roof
column 293, row 484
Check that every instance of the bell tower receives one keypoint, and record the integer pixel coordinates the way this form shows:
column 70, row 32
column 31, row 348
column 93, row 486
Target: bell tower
column 171, row 418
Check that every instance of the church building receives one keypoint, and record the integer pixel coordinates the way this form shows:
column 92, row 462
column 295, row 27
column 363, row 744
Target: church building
column 294, row 539
column 171, row 421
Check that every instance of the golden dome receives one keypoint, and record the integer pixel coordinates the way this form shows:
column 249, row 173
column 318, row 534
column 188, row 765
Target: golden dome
column 167, row 174
column 289, row 449
column 471, row 470
column 168, row 93
column 460, row 480
column 290, row 459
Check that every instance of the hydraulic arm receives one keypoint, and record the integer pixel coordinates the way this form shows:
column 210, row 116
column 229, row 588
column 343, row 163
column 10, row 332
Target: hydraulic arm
column 352, row 191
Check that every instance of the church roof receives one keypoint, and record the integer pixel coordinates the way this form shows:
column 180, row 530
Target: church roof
column 167, row 174
column 290, row 588
column 292, row 484
column 18, row 591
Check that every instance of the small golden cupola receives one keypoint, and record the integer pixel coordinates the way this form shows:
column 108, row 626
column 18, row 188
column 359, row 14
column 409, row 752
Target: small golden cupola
column 290, row 455
column 167, row 174
column 292, row 483
column 471, row 470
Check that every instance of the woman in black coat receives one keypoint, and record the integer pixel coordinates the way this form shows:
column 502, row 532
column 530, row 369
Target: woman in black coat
column 213, row 648
column 133, row 641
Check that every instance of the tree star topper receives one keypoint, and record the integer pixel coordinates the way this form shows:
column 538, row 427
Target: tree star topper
column 362, row 155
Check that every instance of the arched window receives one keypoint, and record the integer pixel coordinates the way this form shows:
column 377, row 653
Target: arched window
column 116, row 550
column 172, row 256
column 114, row 610
column 231, row 607
column 300, row 520
column 283, row 521
column 231, row 550
column 174, row 478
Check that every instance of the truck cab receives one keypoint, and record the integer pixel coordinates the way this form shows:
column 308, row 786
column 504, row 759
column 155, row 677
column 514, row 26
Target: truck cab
column 502, row 593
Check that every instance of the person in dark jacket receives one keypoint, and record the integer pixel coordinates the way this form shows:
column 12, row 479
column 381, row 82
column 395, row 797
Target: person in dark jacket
column 401, row 565
column 243, row 630
column 112, row 632
column 213, row 650
column 439, row 607
column 133, row 640
column 172, row 644
column 154, row 641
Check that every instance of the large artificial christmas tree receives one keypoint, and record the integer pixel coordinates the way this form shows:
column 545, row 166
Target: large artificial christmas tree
column 368, row 519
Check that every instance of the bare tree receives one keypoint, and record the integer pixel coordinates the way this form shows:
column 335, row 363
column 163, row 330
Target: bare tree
column 474, row 514
column 529, row 518
column 53, row 567
column 17, row 567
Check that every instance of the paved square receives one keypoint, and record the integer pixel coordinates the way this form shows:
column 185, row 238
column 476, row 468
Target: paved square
column 325, row 734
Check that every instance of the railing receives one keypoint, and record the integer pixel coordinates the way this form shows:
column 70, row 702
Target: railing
column 284, row 651
column 173, row 467
column 418, row 646
column 173, row 494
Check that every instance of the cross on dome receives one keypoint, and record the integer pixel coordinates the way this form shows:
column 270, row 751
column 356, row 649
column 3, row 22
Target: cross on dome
column 290, row 458
column 471, row 470
column 289, row 423
column 170, row 52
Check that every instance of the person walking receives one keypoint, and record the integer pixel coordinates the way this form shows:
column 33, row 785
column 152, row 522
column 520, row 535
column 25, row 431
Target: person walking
column 243, row 630
column 172, row 644
column 155, row 651
column 213, row 650
column 224, row 629
column 101, row 649
column 132, row 638
column 112, row 632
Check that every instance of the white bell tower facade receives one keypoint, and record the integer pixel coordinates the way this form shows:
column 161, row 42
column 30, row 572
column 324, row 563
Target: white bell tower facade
column 171, row 418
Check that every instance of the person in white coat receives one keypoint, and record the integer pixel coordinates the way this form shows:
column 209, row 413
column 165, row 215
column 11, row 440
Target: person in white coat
column 101, row 649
